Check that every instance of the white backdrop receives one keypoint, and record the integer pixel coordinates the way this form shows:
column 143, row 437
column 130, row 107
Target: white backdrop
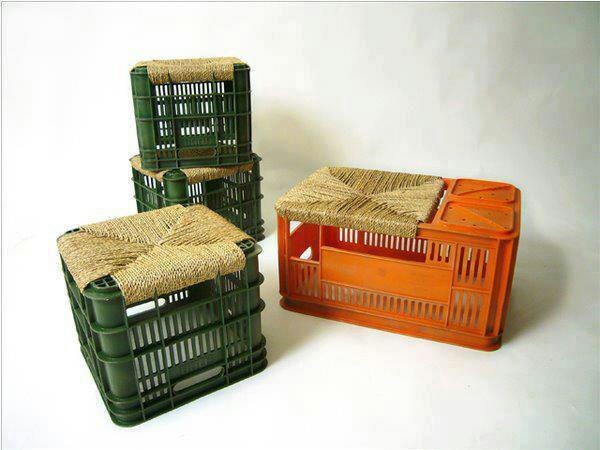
column 508, row 92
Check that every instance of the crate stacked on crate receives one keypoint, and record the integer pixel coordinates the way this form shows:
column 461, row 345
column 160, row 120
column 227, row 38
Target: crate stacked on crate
column 418, row 255
column 234, row 191
column 166, row 305
column 194, row 130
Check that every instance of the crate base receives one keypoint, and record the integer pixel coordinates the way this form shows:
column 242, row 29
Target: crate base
column 126, row 421
column 394, row 326
column 158, row 164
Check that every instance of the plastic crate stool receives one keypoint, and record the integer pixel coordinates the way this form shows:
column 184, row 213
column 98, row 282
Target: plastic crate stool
column 232, row 191
column 192, row 112
column 379, row 249
column 166, row 306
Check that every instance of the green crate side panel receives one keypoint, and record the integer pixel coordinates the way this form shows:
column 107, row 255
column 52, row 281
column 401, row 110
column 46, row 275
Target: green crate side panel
column 130, row 418
column 138, row 365
column 236, row 197
column 155, row 387
column 160, row 367
column 212, row 118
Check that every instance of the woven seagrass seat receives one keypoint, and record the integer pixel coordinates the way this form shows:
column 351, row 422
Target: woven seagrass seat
column 195, row 174
column 190, row 70
column 155, row 252
column 370, row 200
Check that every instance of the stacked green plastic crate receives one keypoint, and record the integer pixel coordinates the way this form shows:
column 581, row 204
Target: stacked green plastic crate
column 195, row 148
column 198, row 122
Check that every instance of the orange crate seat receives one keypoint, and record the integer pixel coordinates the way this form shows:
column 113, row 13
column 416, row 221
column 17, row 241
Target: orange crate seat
column 448, row 279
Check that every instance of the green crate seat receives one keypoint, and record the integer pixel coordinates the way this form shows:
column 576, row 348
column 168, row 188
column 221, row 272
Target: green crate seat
column 192, row 112
column 199, row 331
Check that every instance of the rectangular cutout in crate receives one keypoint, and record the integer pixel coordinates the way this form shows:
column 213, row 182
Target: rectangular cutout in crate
column 192, row 113
column 233, row 192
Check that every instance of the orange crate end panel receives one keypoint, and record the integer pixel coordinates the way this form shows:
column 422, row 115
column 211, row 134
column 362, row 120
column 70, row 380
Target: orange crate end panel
column 303, row 279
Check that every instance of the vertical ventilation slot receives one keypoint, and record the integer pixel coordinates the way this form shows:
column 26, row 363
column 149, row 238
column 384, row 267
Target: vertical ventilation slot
column 440, row 253
column 304, row 279
column 196, row 192
column 468, row 309
column 354, row 298
column 414, row 249
column 199, row 111
column 472, row 266
column 413, row 245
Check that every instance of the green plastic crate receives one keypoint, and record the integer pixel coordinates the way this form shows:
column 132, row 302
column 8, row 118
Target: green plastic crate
column 196, row 124
column 152, row 357
column 236, row 197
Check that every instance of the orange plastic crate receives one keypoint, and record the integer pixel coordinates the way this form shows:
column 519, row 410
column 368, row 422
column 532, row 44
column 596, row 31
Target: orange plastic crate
column 450, row 283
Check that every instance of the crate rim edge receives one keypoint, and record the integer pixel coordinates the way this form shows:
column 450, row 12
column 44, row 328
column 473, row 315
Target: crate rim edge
column 435, row 224
column 143, row 70
column 254, row 158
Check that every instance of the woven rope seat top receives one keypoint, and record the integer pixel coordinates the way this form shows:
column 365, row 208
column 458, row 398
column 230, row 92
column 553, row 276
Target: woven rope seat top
column 196, row 174
column 163, row 71
column 155, row 252
column 369, row 200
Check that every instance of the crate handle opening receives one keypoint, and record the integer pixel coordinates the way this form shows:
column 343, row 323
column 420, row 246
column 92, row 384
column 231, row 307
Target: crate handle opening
column 143, row 307
column 306, row 254
column 197, row 378
column 293, row 225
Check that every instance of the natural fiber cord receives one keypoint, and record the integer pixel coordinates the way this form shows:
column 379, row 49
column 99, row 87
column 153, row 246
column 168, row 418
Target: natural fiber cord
column 369, row 200
column 156, row 252
column 189, row 70
column 196, row 174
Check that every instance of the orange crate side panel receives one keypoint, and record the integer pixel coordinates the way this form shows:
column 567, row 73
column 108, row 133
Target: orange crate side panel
column 399, row 277
column 406, row 327
column 384, row 304
column 305, row 285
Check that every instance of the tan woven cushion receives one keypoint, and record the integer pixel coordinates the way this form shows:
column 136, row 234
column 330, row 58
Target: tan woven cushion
column 155, row 252
column 196, row 174
column 370, row 200
column 163, row 71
